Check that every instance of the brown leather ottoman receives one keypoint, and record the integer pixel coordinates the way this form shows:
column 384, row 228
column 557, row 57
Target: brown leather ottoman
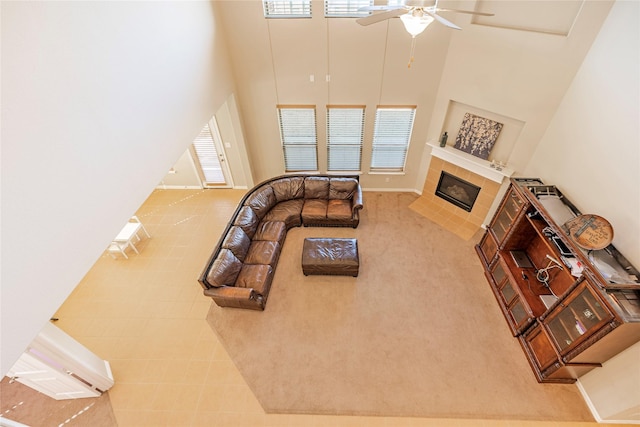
column 330, row 256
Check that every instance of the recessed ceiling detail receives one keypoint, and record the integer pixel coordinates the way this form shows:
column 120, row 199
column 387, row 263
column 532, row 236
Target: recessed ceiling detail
column 547, row 17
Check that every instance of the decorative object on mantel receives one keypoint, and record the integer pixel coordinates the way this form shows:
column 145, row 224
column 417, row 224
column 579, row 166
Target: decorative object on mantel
column 443, row 139
column 477, row 135
column 497, row 165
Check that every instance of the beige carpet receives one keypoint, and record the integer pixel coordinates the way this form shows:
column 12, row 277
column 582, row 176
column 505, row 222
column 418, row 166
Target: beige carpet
column 417, row 334
column 32, row 408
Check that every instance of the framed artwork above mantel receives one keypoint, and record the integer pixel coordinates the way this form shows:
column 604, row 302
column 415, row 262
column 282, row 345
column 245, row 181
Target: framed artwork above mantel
column 509, row 134
column 477, row 135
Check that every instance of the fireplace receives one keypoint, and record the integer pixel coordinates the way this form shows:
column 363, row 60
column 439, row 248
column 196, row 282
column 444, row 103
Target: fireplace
column 461, row 193
column 439, row 206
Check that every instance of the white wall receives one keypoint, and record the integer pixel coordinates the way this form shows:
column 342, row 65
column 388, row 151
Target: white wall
column 521, row 75
column 273, row 59
column 591, row 151
column 517, row 74
column 99, row 100
column 183, row 174
column 613, row 391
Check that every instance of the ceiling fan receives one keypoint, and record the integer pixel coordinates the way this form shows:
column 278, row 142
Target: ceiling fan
column 416, row 15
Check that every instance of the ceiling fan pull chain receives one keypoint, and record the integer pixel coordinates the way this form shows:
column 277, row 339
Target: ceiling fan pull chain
column 413, row 48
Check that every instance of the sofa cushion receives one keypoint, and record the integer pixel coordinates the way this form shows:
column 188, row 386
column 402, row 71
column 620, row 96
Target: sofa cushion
column 339, row 209
column 274, row 231
column 257, row 277
column 237, row 242
column 288, row 188
column 225, row 269
column 247, row 220
column 314, row 209
column 342, row 188
column 316, row 187
column 261, row 201
column 263, row 252
column 287, row 212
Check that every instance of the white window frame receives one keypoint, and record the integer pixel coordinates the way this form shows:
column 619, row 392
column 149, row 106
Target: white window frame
column 346, row 8
column 286, row 8
column 345, row 135
column 299, row 137
column 391, row 138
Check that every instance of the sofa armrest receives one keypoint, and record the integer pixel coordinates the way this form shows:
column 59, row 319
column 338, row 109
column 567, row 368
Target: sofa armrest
column 230, row 296
column 356, row 203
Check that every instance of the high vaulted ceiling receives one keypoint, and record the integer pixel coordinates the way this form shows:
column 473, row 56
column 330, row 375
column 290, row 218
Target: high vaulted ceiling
column 517, row 65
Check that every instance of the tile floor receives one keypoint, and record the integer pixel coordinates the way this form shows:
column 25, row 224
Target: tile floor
column 146, row 316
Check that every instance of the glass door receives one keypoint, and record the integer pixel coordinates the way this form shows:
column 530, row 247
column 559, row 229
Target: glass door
column 519, row 314
column 507, row 214
column 580, row 315
column 488, row 248
column 209, row 155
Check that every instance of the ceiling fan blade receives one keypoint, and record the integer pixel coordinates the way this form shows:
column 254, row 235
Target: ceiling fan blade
column 470, row 12
column 441, row 20
column 372, row 19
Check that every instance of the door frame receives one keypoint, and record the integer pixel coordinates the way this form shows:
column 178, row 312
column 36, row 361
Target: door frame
column 222, row 158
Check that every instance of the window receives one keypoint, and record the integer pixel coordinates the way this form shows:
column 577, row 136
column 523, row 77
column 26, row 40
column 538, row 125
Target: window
column 345, row 126
column 346, row 8
column 391, row 136
column 287, row 8
column 299, row 140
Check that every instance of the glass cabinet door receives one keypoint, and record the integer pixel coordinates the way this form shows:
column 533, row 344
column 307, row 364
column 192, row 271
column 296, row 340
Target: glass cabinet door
column 507, row 214
column 507, row 291
column 581, row 314
column 498, row 274
column 519, row 315
column 488, row 247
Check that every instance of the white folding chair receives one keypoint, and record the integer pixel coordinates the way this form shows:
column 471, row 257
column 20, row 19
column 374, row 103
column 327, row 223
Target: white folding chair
column 118, row 248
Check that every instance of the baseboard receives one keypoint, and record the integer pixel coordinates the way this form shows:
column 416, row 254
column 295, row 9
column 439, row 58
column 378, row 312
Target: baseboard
column 594, row 411
column 392, row 190
column 195, row 187
column 178, row 187
column 244, row 187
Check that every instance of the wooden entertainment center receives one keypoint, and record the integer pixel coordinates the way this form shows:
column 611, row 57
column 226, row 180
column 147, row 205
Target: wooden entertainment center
column 570, row 308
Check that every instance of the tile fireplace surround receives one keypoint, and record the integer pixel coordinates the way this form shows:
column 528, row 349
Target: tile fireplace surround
column 469, row 168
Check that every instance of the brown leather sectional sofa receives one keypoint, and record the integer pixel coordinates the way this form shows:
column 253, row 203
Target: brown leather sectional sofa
column 241, row 268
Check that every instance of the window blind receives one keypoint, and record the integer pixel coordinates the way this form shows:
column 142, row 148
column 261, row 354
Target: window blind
column 344, row 138
column 346, row 8
column 391, row 136
column 287, row 8
column 299, row 139
column 207, row 157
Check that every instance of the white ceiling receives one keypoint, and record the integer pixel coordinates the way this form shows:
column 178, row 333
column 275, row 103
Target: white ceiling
column 543, row 16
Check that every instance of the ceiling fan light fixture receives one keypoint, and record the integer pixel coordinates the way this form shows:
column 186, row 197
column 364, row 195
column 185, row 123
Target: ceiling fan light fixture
column 415, row 24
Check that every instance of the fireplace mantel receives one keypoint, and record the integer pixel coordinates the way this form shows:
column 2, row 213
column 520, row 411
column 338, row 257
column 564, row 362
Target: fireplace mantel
column 470, row 162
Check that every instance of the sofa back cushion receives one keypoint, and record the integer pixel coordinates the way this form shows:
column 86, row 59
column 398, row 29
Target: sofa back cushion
column 261, row 201
column 237, row 242
column 342, row 188
column 225, row 269
column 288, row 188
column 316, row 187
column 247, row 220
